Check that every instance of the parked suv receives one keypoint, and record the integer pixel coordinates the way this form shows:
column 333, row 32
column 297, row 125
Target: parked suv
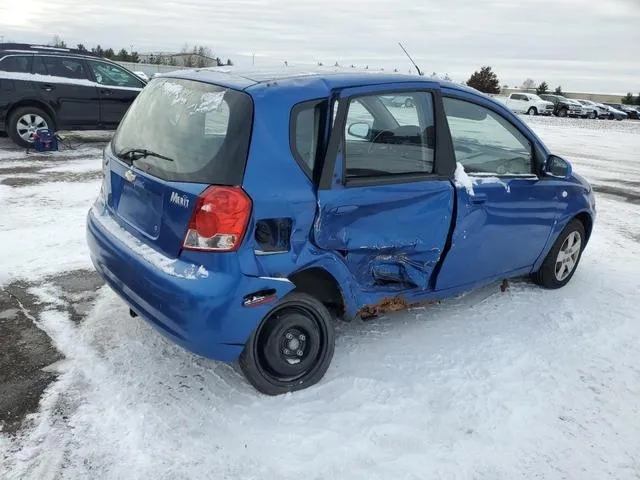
column 61, row 89
column 243, row 214
column 562, row 106
column 593, row 110
column 630, row 110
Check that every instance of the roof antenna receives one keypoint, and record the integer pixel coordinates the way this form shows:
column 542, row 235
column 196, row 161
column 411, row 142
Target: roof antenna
column 414, row 63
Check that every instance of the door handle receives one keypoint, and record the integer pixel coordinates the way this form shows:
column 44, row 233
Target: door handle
column 478, row 199
column 47, row 88
column 106, row 92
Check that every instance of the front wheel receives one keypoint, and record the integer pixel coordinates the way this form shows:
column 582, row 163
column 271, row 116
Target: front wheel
column 532, row 111
column 562, row 260
column 408, row 103
column 563, row 112
column 292, row 347
column 24, row 122
column 593, row 115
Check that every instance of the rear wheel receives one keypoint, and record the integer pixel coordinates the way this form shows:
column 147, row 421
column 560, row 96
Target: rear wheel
column 532, row 111
column 593, row 115
column 292, row 347
column 408, row 103
column 24, row 122
column 563, row 258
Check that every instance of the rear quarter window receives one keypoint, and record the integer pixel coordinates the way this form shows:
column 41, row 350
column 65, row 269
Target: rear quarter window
column 16, row 63
column 306, row 119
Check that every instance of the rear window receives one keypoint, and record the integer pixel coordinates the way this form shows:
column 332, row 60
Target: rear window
column 204, row 128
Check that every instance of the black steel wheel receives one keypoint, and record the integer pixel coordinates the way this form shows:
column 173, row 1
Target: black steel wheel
column 292, row 347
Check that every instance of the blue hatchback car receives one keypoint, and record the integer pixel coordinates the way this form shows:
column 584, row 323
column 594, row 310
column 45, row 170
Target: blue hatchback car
column 240, row 214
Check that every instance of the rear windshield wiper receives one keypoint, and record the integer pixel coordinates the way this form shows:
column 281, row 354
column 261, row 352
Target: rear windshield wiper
column 134, row 154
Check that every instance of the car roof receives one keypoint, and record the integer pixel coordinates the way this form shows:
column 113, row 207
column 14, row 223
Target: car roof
column 329, row 79
column 25, row 48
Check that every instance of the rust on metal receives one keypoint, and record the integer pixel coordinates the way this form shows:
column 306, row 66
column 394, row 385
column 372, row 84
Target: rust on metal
column 389, row 304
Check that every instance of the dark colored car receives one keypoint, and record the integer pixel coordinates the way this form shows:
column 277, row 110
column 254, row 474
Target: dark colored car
column 630, row 110
column 562, row 106
column 61, row 89
column 243, row 214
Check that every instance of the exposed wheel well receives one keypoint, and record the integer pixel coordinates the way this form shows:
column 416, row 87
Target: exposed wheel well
column 31, row 103
column 320, row 284
column 587, row 223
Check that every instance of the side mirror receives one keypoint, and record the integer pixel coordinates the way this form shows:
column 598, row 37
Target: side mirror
column 359, row 130
column 557, row 167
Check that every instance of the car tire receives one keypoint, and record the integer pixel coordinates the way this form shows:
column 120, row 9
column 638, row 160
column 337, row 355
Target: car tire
column 23, row 121
column 563, row 112
column 562, row 260
column 593, row 115
column 532, row 111
column 292, row 347
column 408, row 103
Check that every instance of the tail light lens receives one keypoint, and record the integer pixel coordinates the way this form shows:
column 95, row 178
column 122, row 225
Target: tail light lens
column 219, row 220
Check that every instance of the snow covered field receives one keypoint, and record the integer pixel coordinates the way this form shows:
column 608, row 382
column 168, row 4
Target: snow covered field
column 522, row 384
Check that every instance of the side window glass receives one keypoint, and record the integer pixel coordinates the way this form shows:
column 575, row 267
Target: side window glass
column 113, row 76
column 358, row 120
column 389, row 135
column 39, row 66
column 18, row 64
column 485, row 142
column 65, row 67
column 304, row 134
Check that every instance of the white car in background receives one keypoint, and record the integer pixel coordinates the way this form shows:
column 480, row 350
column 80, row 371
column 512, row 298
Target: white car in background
column 592, row 109
column 528, row 103
column 142, row 75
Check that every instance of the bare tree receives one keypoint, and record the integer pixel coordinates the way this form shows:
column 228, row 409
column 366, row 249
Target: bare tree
column 528, row 84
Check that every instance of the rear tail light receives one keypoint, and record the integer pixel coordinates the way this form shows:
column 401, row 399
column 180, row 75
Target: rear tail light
column 219, row 220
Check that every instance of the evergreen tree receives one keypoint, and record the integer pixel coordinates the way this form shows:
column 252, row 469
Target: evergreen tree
column 558, row 90
column 122, row 55
column 542, row 88
column 484, row 80
column 628, row 99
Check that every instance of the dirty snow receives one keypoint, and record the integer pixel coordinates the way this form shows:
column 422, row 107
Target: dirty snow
column 523, row 384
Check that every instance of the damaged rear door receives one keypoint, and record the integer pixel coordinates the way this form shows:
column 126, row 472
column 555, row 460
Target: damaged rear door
column 385, row 197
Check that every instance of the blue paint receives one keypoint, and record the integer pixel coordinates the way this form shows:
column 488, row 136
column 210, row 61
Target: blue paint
column 423, row 239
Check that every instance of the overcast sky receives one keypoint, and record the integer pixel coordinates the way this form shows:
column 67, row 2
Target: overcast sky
column 584, row 45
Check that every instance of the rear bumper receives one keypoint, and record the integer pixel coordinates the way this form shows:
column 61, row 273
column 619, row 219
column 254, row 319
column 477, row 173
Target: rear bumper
column 203, row 312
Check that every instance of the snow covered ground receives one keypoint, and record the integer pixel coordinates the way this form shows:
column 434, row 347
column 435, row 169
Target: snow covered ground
column 522, row 384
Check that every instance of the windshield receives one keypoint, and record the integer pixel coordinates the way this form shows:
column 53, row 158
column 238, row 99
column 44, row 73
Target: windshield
column 204, row 129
